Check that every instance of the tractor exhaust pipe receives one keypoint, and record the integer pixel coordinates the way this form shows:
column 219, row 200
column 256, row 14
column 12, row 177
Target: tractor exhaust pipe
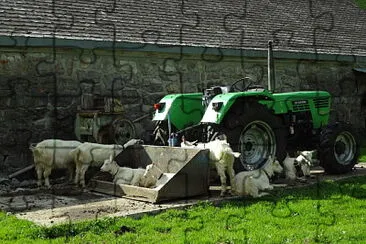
column 270, row 68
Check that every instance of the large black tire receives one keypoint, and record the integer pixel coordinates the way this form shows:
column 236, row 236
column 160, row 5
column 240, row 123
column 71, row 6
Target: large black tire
column 339, row 148
column 122, row 130
column 254, row 131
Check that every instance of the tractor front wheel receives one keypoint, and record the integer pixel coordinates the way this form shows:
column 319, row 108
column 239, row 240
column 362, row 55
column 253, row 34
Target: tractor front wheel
column 257, row 133
column 339, row 149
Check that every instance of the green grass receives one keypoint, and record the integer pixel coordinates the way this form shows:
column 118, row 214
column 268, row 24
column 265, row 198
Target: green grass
column 361, row 3
column 363, row 154
column 333, row 212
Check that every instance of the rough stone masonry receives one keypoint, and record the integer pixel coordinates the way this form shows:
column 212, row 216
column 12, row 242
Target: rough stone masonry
column 29, row 96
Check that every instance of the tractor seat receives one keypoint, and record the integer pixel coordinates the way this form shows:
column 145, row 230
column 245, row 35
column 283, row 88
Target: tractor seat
column 256, row 88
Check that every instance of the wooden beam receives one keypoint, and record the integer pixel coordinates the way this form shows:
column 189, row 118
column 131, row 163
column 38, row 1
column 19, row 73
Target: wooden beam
column 21, row 171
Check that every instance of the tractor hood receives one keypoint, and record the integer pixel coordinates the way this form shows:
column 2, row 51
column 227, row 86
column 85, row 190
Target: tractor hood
column 316, row 102
column 220, row 104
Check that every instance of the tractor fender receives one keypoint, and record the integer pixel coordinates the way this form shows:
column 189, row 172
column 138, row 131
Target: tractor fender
column 182, row 109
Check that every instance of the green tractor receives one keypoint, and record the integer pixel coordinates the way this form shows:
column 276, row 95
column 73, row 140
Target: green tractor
column 259, row 123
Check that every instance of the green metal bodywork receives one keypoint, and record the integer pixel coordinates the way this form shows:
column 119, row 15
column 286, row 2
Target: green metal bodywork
column 187, row 109
column 183, row 109
column 317, row 102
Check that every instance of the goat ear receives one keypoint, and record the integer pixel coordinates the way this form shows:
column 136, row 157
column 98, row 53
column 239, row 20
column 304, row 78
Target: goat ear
column 111, row 158
column 236, row 154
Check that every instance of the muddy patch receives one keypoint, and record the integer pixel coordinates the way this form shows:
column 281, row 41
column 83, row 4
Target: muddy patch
column 68, row 204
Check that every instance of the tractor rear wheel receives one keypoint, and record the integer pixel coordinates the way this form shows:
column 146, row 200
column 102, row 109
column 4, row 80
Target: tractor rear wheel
column 339, row 148
column 257, row 133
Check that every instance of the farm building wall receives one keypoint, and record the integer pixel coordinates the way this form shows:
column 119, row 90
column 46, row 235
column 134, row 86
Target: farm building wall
column 28, row 89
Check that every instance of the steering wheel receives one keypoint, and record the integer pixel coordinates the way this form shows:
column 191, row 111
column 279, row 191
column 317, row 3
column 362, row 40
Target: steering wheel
column 244, row 87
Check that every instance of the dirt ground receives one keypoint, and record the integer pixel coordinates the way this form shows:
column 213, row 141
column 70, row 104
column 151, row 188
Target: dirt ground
column 65, row 203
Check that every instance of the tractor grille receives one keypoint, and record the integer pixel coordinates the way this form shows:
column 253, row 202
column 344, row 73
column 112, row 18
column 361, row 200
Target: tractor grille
column 301, row 107
column 321, row 102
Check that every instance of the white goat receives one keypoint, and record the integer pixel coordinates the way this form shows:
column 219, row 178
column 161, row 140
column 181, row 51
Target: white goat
column 93, row 154
column 251, row 182
column 53, row 154
column 309, row 156
column 122, row 175
column 151, row 176
column 305, row 165
column 187, row 144
column 290, row 169
column 304, row 160
column 221, row 154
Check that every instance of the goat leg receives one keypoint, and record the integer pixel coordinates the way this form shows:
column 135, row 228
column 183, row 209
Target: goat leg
column 135, row 181
column 252, row 188
column 46, row 174
column 231, row 173
column 221, row 172
column 71, row 171
column 77, row 175
column 39, row 175
column 269, row 187
column 83, row 170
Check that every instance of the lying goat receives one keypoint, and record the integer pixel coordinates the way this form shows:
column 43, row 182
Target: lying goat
column 93, row 154
column 251, row 182
column 309, row 156
column 221, row 154
column 151, row 176
column 302, row 163
column 53, row 154
column 122, row 175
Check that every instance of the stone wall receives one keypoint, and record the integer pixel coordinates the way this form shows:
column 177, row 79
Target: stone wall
column 40, row 91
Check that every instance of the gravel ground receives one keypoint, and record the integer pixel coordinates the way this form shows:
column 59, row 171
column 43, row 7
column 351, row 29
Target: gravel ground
column 48, row 209
column 64, row 203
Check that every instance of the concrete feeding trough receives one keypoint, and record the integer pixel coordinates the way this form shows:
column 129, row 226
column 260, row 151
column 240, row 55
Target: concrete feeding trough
column 185, row 173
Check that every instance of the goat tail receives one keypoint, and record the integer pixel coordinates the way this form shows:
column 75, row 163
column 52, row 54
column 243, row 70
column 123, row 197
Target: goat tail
column 32, row 146
column 74, row 153
column 37, row 152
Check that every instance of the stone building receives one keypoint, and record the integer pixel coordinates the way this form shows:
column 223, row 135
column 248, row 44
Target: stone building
column 53, row 51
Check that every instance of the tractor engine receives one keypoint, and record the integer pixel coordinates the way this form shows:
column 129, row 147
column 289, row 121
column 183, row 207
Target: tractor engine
column 210, row 93
column 300, row 127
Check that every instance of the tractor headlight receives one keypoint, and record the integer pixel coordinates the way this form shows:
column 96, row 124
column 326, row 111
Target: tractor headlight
column 217, row 106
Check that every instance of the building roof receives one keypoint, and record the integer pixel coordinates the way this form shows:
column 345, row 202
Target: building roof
column 328, row 26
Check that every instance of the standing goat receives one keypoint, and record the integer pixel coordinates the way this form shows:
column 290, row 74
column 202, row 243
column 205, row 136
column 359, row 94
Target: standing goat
column 93, row 154
column 221, row 154
column 53, row 154
column 122, row 175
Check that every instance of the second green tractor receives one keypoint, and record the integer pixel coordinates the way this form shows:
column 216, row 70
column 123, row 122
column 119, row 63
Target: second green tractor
column 259, row 123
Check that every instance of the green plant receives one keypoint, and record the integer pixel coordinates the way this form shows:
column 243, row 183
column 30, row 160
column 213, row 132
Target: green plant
column 330, row 212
